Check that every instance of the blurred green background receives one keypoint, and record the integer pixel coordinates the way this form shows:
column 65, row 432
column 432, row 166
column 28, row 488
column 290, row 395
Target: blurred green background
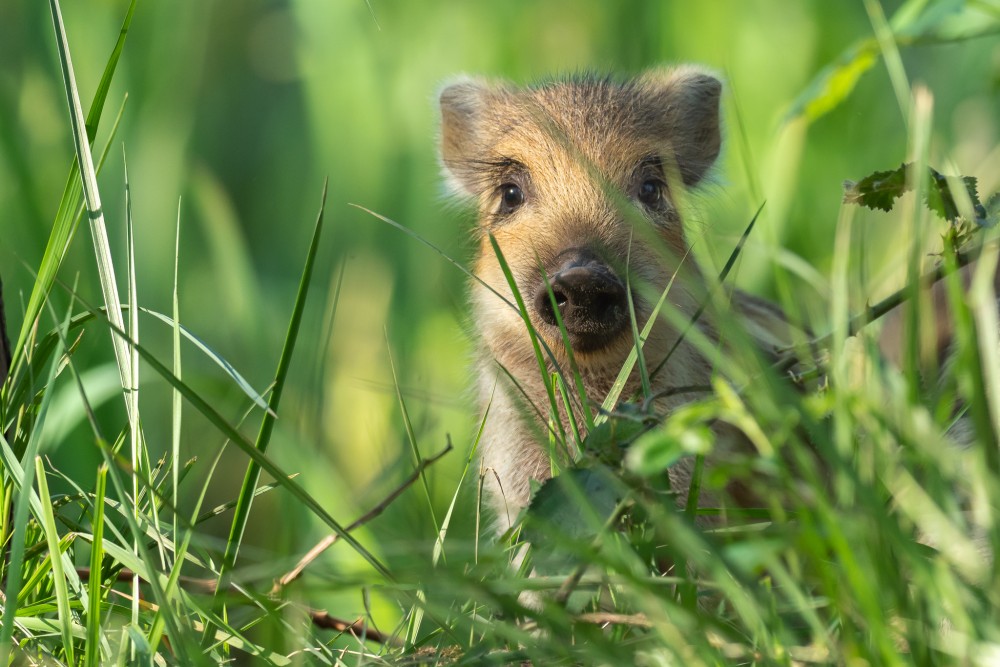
column 236, row 112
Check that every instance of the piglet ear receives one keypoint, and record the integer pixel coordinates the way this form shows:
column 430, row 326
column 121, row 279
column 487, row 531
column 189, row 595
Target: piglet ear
column 464, row 114
column 684, row 109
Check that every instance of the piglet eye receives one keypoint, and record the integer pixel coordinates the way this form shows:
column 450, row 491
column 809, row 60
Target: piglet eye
column 650, row 192
column 511, row 197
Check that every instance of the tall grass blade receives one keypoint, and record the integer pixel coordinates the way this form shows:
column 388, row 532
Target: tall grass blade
column 92, row 197
column 220, row 361
column 638, row 340
column 246, row 495
column 64, row 227
column 132, row 390
column 5, row 355
column 177, row 404
column 411, row 438
column 417, row 237
column 92, row 656
column 417, row 612
column 535, row 346
column 611, row 400
column 890, row 54
column 704, row 304
column 581, row 391
column 253, row 453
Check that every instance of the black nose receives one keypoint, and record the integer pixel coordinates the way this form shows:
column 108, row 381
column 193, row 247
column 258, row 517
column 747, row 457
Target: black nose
column 591, row 299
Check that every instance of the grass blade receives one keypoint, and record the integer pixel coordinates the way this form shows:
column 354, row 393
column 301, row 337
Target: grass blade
column 523, row 310
column 259, row 458
column 411, row 438
column 708, row 297
column 132, row 390
column 58, row 575
column 24, row 479
column 92, row 197
column 218, row 359
column 177, row 401
column 246, row 495
column 64, row 227
column 92, row 657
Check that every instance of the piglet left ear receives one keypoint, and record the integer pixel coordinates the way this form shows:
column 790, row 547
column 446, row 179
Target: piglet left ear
column 684, row 105
column 464, row 103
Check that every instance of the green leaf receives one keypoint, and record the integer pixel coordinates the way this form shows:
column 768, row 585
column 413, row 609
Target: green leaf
column 610, row 438
column 881, row 189
column 567, row 509
column 92, row 198
column 834, row 83
column 939, row 198
column 991, row 211
column 915, row 22
column 684, row 433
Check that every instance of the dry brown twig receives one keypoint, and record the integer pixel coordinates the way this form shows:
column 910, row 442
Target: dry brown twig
column 329, row 540
column 319, row 617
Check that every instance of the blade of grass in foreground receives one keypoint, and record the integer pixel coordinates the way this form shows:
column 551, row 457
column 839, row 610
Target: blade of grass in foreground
column 175, row 431
column 58, row 576
column 255, row 455
column 92, row 197
column 704, row 304
column 413, row 626
column 246, row 495
column 68, row 213
column 46, row 344
column 93, row 650
column 411, row 438
column 24, row 479
column 132, row 392
column 523, row 310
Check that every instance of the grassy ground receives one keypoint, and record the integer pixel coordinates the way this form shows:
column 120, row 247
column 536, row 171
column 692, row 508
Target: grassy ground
column 218, row 363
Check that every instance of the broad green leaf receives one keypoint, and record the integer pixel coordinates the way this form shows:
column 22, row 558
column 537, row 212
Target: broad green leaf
column 569, row 508
column 881, row 189
column 834, row 83
column 684, row 433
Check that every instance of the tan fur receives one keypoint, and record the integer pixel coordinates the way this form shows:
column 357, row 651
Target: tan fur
column 578, row 149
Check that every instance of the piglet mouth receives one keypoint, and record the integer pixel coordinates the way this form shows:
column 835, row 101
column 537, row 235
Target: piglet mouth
column 590, row 299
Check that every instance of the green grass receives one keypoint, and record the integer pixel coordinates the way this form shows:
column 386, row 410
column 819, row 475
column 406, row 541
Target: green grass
column 153, row 531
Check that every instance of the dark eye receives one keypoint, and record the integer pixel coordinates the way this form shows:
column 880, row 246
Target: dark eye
column 651, row 192
column 511, row 196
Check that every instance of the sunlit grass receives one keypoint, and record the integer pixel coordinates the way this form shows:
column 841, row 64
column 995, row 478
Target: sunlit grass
column 874, row 540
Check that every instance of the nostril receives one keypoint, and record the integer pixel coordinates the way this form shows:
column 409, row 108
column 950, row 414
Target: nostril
column 601, row 302
column 561, row 298
column 543, row 304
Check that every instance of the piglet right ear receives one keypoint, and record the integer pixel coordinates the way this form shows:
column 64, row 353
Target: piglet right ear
column 464, row 105
column 684, row 106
